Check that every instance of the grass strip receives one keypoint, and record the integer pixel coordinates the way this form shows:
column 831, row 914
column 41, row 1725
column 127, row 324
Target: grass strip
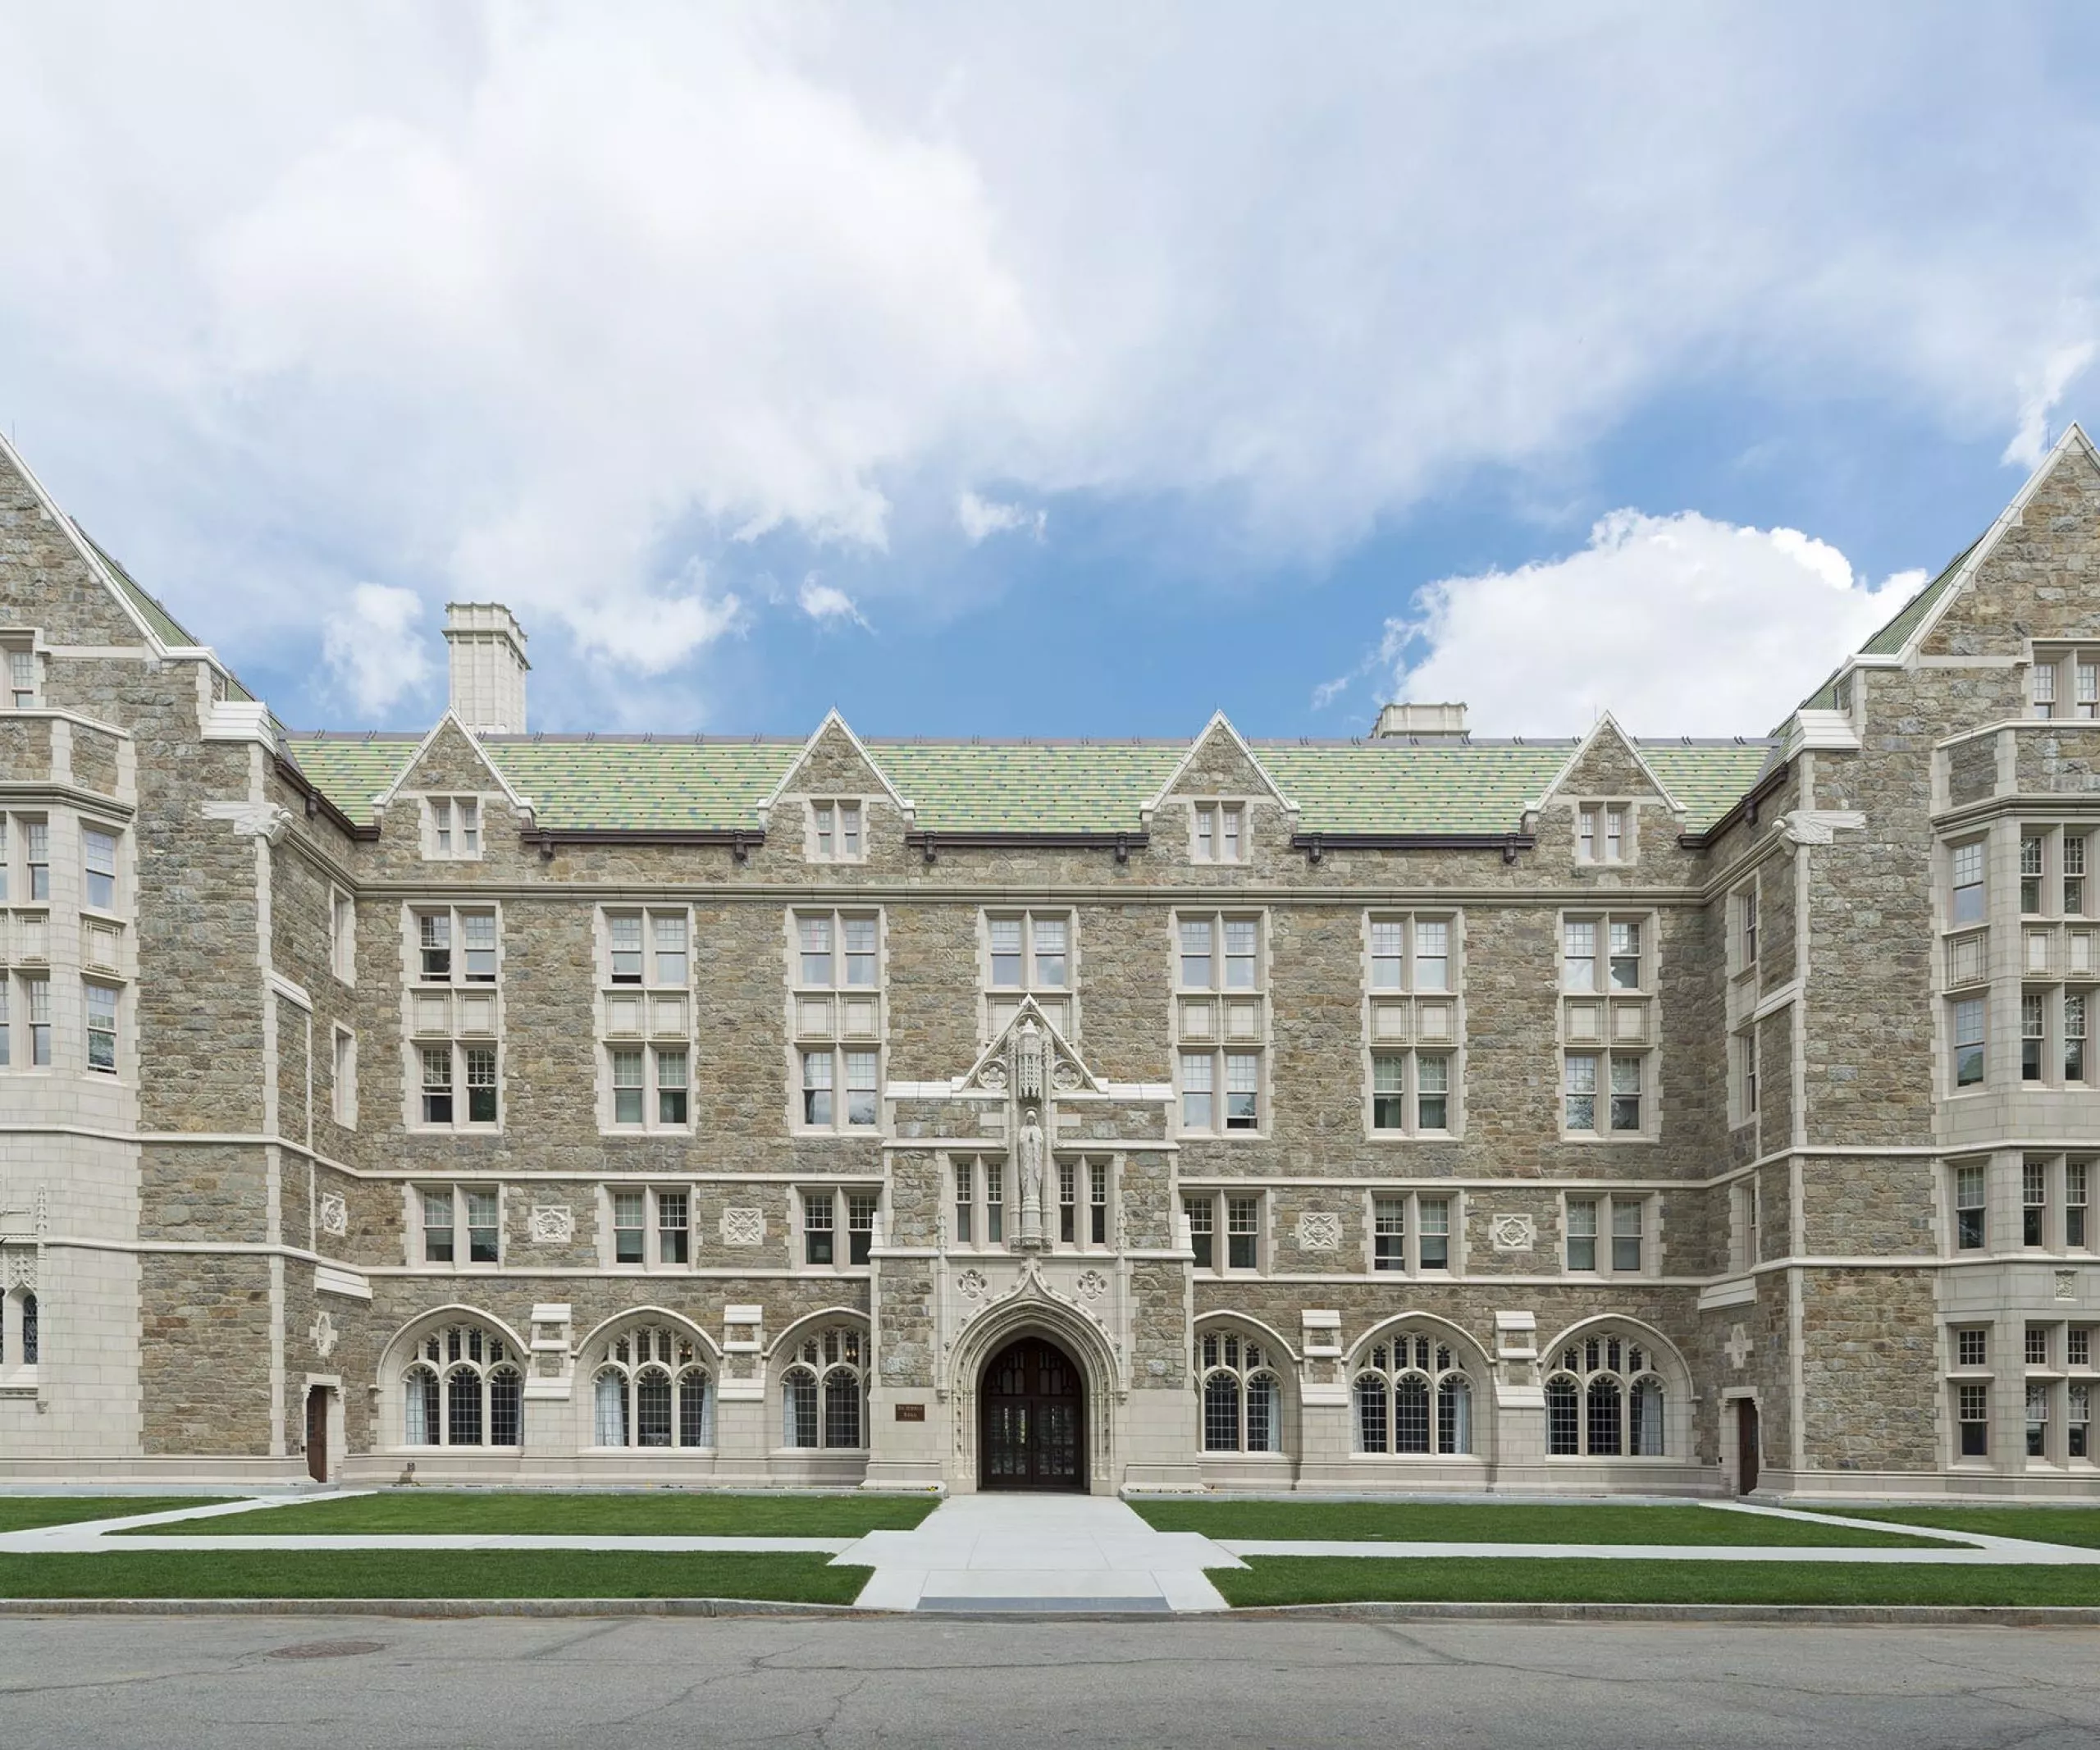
column 1364, row 1579
column 1406, row 1522
column 529, row 1513
column 408, row 1573
column 30, row 1512
column 2074, row 1525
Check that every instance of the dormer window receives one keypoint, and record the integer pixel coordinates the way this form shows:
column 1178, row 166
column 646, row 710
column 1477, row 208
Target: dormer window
column 835, row 831
column 1220, row 835
column 455, row 828
column 1601, row 833
column 25, row 677
column 2064, row 683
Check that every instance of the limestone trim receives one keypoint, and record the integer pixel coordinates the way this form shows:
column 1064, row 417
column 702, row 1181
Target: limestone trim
column 522, row 804
column 608, row 1327
column 2073, row 440
column 1032, row 1309
column 1665, row 1361
column 1284, row 1345
column 1218, row 722
column 784, row 788
column 784, row 1340
column 1463, row 1339
column 1607, row 722
column 56, row 713
column 399, row 1348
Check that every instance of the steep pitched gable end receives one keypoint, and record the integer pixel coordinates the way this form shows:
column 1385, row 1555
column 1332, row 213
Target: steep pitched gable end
column 834, row 760
column 450, row 758
column 1607, row 762
column 1219, row 762
column 1935, row 633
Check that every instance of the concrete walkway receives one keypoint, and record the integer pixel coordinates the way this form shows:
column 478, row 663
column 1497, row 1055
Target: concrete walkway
column 1037, row 1552
column 1050, row 1552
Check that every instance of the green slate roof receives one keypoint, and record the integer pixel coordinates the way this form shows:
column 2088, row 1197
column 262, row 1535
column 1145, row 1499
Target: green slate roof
column 603, row 784
column 1890, row 640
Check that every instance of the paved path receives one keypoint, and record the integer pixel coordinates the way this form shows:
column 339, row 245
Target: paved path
column 1198, row 1682
column 1055, row 1553
column 1035, row 1552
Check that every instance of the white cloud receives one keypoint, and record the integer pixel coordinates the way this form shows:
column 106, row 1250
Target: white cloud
column 377, row 648
column 828, row 605
column 1678, row 625
column 982, row 516
column 2040, row 394
column 537, row 302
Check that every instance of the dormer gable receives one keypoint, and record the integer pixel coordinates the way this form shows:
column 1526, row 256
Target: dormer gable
column 1215, row 794
column 1602, row 794
column 453, row 784
column 827, row 798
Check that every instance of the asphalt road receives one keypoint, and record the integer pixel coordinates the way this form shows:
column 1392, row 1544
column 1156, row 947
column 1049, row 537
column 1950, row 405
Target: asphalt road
column 167, row 1684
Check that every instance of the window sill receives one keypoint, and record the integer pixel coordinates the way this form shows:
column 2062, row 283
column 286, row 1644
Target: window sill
column 1389, row 1136
column 1623, row 1138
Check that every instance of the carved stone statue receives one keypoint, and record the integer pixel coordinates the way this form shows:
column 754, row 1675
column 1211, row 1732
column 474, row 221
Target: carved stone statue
column 1031, row 1176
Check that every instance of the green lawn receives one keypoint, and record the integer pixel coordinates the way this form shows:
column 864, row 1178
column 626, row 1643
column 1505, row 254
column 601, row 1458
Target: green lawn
column 1407, row 1522
column 1353, row 1579
column 527, row 1513
column 28, row 1512
column 413, row 1574
column 2078, row 1525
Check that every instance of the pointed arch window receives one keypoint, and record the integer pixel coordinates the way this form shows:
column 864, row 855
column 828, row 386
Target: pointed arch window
column 463, row 1386
column 1412, row 1395
column 824, row 1393
column 1604, row 1398
column 652, row 1388
column 1239, row 1380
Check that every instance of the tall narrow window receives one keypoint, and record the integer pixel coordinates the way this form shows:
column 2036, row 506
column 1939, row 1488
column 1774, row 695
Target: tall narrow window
column 1098, row 1203
column 22, row 679
column 1748, row 904
column 1202, row 1214
column 38, row 992
column 1435, row 1215
column 437, row 1227
column 2033, row 1202
column 1626, row 1223
column 1966, row 864
column 101, row 1027
column 965, row 1200
column 2042, row 689
column 1068, row 1202
column 817, row 1231
column 673, row 1227
column 995, row 1203
column 1969, row 1208
column 1973, row 1417
column 2034, row 1035
column 1243, row 1228
column 2031, row 849
column 37, row 846
column 860, row 1207
column 99, row 858
column 1969, row 1042
column 1582, row 1233
column 483, row 1231
column 2073, row 860
column 630, row 1227
column 2074, row 1035
column 2076, row 1174
column 1390, row 1233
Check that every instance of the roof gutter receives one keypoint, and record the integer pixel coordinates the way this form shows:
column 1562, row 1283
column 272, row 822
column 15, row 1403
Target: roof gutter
column 1745, row 811
column 739, row 839
column 1316, row 845
column 317, row 805
column 1122, row 843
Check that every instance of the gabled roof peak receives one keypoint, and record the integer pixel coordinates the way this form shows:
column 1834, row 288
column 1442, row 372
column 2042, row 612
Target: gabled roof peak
column 832, row 719
column 1219, row 724
column 1608, row 725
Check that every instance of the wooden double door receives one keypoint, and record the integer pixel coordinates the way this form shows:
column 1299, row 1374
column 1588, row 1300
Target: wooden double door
column 1032, row 1420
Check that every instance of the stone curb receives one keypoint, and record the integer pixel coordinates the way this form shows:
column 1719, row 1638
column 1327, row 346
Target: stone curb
column 1863, row 1615
column 421, row 1607
column 1856, row 1616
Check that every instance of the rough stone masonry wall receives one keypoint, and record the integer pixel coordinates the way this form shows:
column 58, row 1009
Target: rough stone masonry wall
column 1869, row 1370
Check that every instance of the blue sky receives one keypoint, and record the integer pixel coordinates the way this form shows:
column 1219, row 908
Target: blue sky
column 1075, row 372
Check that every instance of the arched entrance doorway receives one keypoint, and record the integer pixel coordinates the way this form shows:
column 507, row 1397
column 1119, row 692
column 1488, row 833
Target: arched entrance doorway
column 1032, row 1420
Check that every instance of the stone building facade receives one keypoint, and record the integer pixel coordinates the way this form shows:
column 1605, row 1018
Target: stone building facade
column 1420, row 1111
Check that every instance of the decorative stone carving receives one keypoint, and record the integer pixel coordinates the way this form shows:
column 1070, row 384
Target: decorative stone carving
column 992, row 1075
column 1027, row 1060
column 1512, row 1233
column 973, row 1284
column 742, row 1226
column 1091, row 1285
column 1064, row 1075
column 322, row 1331
column 2066, row 1285
column 1820, row 826
column 21, row 1270
column 1319, row 1230
column 1031, row 1173
column 334, row 1215
column 264, row 820
column 553, row 1224
column 1738, row 1348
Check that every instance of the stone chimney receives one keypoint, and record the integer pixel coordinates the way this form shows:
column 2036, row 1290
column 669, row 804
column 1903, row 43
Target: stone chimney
column 1421, row 722
column 488, row 667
